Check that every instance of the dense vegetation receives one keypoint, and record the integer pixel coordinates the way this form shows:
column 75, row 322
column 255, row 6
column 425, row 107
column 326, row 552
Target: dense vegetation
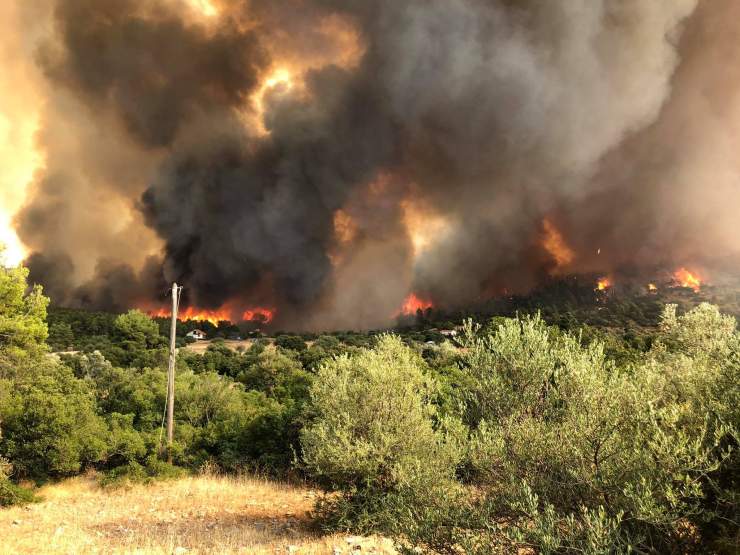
column 525, row 431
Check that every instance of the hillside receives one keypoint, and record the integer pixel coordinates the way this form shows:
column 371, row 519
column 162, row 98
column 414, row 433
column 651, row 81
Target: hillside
column 191, row 515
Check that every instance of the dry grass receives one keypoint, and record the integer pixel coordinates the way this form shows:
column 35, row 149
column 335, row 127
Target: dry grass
column 200, row 347
column 191, row 515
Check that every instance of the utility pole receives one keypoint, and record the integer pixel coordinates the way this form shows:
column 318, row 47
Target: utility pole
column 171, row 371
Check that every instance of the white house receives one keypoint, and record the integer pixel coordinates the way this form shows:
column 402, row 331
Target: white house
column 198, row 335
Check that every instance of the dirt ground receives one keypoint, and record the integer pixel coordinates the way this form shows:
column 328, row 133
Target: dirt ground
column 194, row 515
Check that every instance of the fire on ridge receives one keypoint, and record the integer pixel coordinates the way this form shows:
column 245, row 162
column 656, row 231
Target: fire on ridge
column 257, row 314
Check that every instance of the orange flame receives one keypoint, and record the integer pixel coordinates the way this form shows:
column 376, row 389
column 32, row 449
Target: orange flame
column 345, row 228
column 424, row 225
column 261, row 314
column 555, row 245
column 685, row 278
column 652, row 287
column 215, row 316
column 200, row 315
column 413, row 303
column 603, row 284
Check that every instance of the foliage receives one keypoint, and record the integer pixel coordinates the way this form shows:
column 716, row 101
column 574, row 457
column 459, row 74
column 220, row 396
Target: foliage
column 374, row 435
column 291, row 342
column 137, row 342
column 135, row 473
column 50, row 422
column 13, row 494
column 572, row 454
column 607, row 424
column 23, row 328
column 10, row 493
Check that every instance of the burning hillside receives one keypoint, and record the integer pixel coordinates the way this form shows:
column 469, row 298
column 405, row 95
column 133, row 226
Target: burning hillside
column 322, row 164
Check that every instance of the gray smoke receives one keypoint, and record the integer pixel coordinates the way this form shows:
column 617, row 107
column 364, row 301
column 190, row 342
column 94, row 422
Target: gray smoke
column 491, row 115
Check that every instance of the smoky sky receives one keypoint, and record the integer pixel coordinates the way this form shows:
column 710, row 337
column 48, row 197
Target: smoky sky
column 169, row 158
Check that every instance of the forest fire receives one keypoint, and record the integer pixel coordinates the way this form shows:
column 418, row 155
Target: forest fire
column 555, row 245
column 603, row 284
column 259, row 314
column 414, row 303
column 194, row 314
column 224, row 314
column 685, row 278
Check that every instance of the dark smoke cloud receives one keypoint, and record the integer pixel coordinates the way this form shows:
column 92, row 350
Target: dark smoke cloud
column 487, row 115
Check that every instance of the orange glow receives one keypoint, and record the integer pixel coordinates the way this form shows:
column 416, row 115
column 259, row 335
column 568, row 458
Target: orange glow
column 413, row 303
column 603, row 284
column 555, row 245
column 203, row 7
column 345, row 228
column 261, row 314
column 225, row 313
column 423, row 225
column 652, row 287
column 195, row 314
column 279, row 79
column 21, row 111
column 685, row 278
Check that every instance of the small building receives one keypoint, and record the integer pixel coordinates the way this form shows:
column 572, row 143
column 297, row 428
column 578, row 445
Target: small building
column 448, row 333
column 198, row 335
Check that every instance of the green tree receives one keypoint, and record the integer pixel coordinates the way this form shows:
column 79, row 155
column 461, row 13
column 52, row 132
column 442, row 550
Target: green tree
column 137, row 341
column 61, row 336
column 23, row 329
column 291, row 342
column 50, row 421
column 375, row 433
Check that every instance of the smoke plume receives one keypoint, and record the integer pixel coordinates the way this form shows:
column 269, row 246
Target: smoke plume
column 326, row 158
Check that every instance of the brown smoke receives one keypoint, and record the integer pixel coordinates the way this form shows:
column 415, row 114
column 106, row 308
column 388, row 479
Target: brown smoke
column 327, row 158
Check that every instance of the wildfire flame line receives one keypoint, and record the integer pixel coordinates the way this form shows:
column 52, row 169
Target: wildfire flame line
column 261, row 314
column 685, row 278
column 414, row 303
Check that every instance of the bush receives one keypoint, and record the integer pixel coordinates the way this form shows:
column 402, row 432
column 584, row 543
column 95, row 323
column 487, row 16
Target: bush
column 291, row 342
column 135, row 473
column 11, row 494
column 50, row 422
column 572, row 454
column 375, row 435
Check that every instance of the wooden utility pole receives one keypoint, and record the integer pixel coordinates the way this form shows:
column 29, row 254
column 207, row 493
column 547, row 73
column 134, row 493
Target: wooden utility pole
column 171, row 371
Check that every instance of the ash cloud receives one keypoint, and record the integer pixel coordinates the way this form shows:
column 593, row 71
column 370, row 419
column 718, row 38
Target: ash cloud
column 162, row 165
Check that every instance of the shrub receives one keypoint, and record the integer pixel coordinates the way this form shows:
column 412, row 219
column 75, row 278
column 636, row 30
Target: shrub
column 50, row 422
column 374, row 436
column 572, row 454
column 135, row 473
column 10, row 493
column 291, row 342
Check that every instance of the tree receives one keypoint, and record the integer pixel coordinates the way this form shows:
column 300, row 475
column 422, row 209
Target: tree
column 375, row 433
column 61, row 336
column 291, row 342
column 23, row 329
column 50, row 421
column 138, row 342
column 139, row 329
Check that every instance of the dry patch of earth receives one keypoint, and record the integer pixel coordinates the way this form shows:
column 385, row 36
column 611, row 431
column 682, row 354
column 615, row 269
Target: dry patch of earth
column 193, row 515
